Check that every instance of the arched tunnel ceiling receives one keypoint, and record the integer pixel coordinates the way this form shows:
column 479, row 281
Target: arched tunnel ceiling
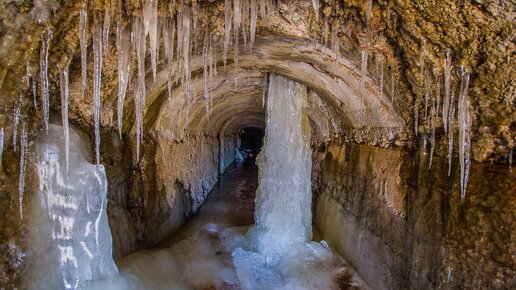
column 238, row 90
column 409, row 32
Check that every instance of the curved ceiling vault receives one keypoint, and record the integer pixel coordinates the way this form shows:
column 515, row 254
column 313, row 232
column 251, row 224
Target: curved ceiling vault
column 236, row 92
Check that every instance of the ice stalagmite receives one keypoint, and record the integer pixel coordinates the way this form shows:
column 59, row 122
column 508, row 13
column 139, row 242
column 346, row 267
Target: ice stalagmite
column 464, row 118
column 97, row 78
column 254, row 17
column 451, row 116
column 63, row 84
column 123, row 47
column 150, row 23
column 227, row 30
column 447, row 79
column 23, row 163
column 277, row 252
column 83, row 26
column 43, row 75
column 315, row 3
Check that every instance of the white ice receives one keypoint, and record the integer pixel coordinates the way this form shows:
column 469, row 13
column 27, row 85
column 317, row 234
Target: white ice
column 69, row 237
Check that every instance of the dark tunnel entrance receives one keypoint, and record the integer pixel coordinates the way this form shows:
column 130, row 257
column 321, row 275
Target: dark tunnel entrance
column 251, row 141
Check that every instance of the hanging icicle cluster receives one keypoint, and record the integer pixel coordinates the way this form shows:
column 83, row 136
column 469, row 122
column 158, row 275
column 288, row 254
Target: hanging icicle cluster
column 433, row 109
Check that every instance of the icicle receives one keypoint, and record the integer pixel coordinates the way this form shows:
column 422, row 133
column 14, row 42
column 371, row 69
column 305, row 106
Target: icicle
column 432, row 128
column 195, row 13
column 422, row 67
column 227, row 30
column 380, row 64
column 236, row 50
column 169, row 30
column 63, row 84
column 97, row 77
column 205, row 63
column 315, row 3
column 186, row 61
column 150, row 23
column 83, row 39
column 335, row 43
column 464, row 118
column 139, row 98
column 254, row 16
column 21, row 179
column 43, row 75
column 393, row 80
column 16, row 121
column 451, row 114
column 446, row 100
column 262, row 10
column 1, row 147
column 510, row 158
column 369, row 10
column 105, row 29
column 416, row 115
column 123, row 46
column 326, row 30
column 237, row 17
column 244, row 16
column 363, row 65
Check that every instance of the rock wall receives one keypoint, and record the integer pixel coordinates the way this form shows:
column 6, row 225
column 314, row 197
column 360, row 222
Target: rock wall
column 402, row 225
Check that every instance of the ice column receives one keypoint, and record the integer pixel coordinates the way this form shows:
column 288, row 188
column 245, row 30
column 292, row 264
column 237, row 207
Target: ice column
column 283, row 199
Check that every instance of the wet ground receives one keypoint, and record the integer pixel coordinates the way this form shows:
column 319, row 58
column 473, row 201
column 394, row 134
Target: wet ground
column 194, row 257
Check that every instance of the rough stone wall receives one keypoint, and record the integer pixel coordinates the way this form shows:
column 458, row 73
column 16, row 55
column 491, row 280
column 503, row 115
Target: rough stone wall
column 404, row 226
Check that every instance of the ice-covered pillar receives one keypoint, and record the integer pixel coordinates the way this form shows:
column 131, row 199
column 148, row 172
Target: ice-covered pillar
column 283, row 199
column 69, row 236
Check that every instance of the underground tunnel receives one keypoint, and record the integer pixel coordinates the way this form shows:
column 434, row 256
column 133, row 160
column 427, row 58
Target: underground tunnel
column 257, row 144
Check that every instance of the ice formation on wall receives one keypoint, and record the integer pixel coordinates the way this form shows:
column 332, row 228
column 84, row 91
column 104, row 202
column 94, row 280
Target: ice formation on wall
column 68, row 234
column 447, row 82
column 451, row 123
column 139, row 96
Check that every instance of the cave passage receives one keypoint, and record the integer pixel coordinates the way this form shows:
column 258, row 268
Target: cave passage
column 252, row 140
column 195, row 257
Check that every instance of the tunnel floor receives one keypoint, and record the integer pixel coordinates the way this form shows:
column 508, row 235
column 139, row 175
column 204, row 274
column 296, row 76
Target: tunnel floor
column 194, row 257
